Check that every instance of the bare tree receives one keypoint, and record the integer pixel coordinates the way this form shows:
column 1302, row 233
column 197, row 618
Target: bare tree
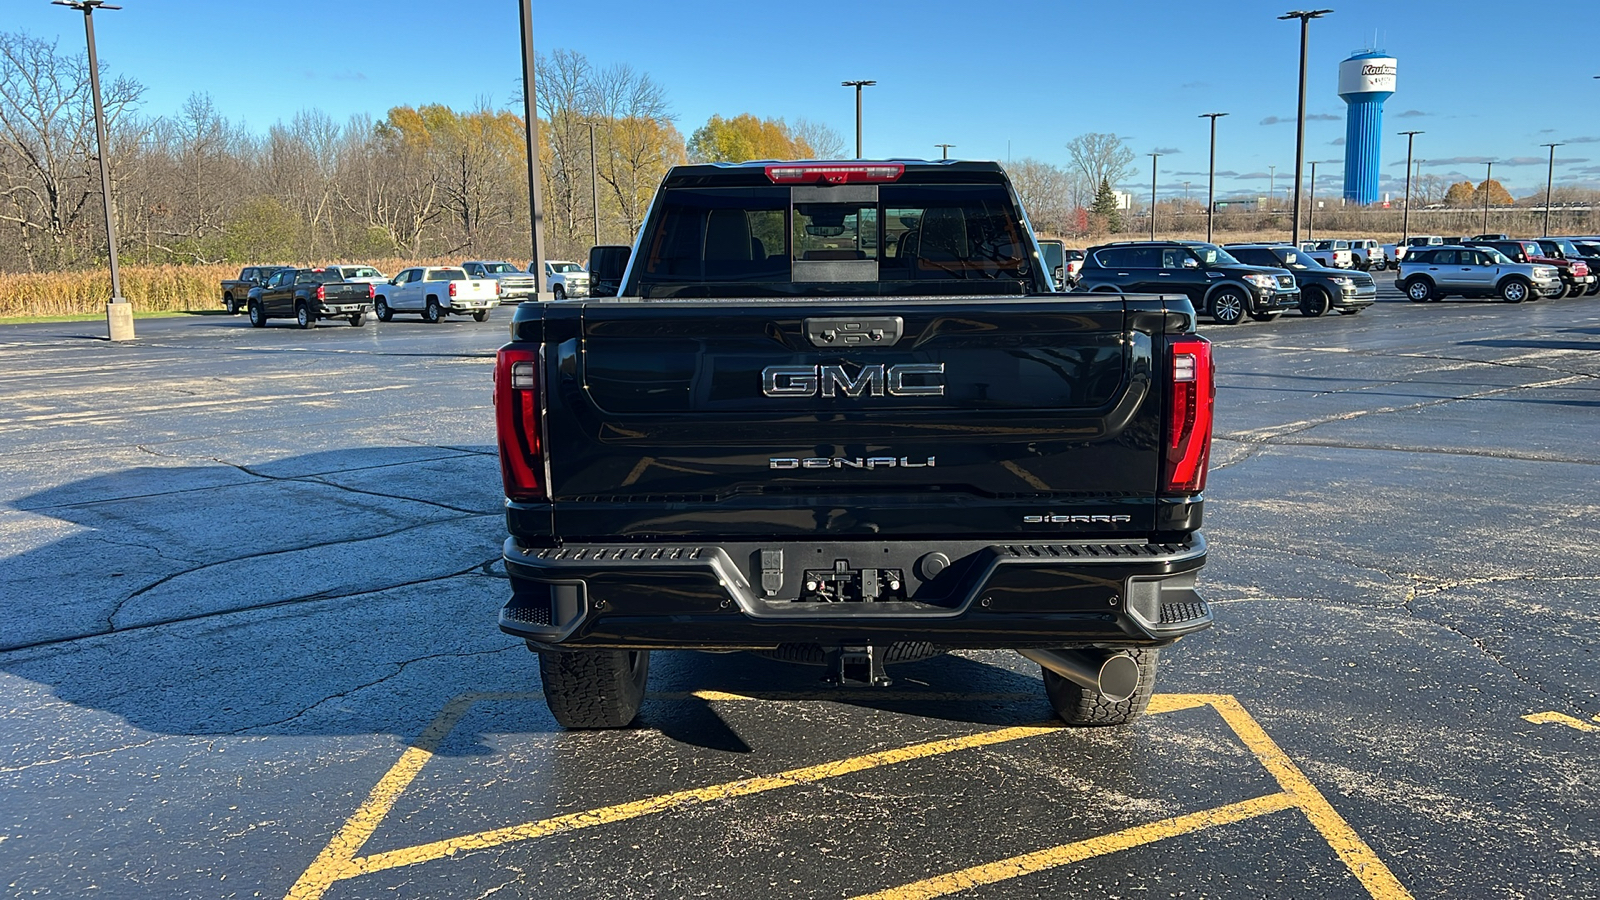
column 1046, row 192
column 49, row 178
column 1100, row 158
column 825, row 142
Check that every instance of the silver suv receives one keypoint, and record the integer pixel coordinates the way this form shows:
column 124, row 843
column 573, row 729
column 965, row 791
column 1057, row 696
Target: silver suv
column 1433, row 273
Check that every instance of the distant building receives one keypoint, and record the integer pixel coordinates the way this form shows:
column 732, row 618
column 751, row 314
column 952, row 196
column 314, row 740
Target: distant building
column 1246, row 204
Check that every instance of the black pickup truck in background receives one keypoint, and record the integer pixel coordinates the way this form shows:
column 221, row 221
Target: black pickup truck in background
column 308, row 295
column 835, row 415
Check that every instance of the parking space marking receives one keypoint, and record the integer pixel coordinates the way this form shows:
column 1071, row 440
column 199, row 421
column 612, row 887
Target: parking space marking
column 1078, row 851
column 1546, row 718
column 340, row 859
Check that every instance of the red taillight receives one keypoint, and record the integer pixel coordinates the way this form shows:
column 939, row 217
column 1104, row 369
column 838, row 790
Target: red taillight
column 322, row 292
column 1193, row 386
column 516, row 419
column 499, row 289
column 452, row 288
column 372, row 291
column 835, row 173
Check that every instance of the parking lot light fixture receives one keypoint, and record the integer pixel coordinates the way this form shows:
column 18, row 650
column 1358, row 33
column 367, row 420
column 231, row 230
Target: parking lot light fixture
column 1487, row 178
column 1153, row 158
column 1311, row 207
column 530, row 132
column 1549, row 181
column 119, row 315
column 1305, row 17
column 594, row 182
column 1211, row 174
column 1405, row 213
column 858, row 85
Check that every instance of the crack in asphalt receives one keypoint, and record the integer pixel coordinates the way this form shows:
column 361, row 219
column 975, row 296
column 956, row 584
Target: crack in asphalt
column 1417, row 586
column 399, row 669
column 476, row 570
column 321, row 477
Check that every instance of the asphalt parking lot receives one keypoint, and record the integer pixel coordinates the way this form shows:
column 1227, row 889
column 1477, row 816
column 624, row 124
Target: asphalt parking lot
column 250, row 580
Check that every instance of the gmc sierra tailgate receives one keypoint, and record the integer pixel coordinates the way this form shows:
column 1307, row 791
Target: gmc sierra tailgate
column 949, row 417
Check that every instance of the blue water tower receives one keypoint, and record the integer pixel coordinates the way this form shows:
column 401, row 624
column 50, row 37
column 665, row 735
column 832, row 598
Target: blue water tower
column 1366, row 80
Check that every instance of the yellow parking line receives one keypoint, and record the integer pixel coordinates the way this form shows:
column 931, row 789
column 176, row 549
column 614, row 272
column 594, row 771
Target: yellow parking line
column 338, row 860
column 1548, row 718
column 1352, row 850
column 1078, row 851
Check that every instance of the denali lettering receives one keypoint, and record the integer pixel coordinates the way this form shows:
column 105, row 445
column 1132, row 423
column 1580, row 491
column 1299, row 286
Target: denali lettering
column 872, row 381
column 1076, row 520
column 846, row 462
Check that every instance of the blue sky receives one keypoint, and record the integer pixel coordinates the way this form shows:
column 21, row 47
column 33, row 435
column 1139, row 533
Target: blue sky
column 1019, row 79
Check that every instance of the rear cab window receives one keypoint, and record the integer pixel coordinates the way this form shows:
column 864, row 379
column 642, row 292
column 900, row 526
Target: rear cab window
column 888, row 239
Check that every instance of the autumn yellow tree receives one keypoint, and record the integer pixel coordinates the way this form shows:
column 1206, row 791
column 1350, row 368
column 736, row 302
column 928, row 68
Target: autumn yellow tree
column 746, row 137
column 1498, row 195
column 1459, row 194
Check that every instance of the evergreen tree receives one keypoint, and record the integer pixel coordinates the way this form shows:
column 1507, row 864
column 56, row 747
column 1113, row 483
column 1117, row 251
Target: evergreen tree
column 1105, row 207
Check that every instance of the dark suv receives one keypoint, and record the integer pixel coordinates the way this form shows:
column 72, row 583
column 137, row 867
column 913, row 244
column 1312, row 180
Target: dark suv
column 1321, row 288
column 1217, row 284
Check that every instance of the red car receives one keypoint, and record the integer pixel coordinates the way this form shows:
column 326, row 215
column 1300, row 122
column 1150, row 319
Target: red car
column 1575, row 275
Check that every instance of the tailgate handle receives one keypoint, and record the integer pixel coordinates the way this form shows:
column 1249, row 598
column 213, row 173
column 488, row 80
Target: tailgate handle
column 846, row 331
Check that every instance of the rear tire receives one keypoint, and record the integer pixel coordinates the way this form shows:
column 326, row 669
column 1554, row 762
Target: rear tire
column 594, row 688
column 432, row 313
column 1227, row 306
column 358, row 319
column 1419, row 290
column 229, row 305
column 1314, row 301
column 1078, row 705
column 258, row 316
column 303, row 316
column 558, row 292
column 1514, row 290
column 383, row 311
column 481, row 315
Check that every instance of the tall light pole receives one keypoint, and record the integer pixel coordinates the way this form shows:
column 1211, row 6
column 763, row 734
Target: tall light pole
column 944, row 150
column 1211, row 175
column 1305, row 17
column 1549, row 181
column 1272, row 186
column 1153, row 158
column 1488, row 177
column 594, row 182
column 1405, row 214
column 119, row 314
column 858, row 85
column 1311, row 211
column 530, row 123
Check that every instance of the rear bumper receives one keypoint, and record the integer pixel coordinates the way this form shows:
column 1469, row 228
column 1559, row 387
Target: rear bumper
column 335, row 310
column 997, row 596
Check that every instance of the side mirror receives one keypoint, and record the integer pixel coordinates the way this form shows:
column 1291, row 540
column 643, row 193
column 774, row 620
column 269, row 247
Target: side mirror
column 606, row 266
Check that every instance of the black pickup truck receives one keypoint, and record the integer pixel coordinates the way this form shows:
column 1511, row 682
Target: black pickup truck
column 836, row 416
column 308, row 295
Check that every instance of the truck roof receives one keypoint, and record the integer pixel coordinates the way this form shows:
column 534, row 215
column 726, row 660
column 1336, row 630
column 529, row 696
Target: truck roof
column 756, row 171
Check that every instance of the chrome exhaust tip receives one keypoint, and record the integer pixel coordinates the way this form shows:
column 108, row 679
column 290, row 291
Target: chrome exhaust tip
column 1114, row 676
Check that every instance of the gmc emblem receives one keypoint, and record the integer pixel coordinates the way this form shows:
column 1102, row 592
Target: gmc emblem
column 872, row 381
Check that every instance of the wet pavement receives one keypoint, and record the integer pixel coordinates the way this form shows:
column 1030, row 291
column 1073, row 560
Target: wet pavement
column 249, row 581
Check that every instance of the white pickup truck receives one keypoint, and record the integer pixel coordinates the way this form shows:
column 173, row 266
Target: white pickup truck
column 436, row 292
